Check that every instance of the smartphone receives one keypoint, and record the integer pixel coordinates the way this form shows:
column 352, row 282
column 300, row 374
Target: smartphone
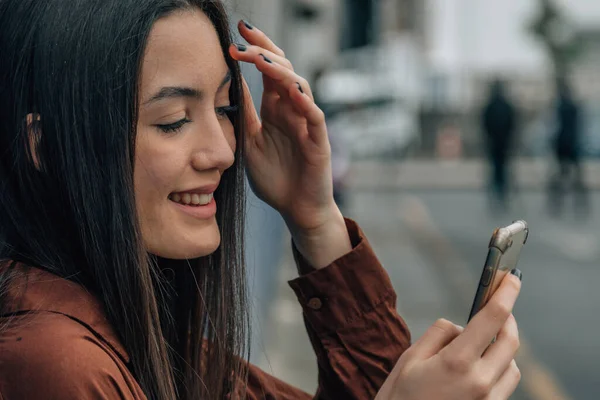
column 503, row 254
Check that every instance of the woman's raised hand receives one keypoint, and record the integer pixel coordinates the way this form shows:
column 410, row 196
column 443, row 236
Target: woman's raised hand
column 288, row 152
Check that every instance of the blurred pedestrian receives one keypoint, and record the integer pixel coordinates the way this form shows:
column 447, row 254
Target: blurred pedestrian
column 498, row 123
column 566, row 145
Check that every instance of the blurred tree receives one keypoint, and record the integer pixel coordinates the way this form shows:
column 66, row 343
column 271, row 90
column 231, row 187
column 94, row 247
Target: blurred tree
column 558, row 35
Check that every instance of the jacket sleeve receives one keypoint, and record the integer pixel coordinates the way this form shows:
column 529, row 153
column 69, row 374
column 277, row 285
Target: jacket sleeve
column 350, row 315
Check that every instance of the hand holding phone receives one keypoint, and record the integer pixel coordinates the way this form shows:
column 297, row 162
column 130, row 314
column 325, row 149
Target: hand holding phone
column 503, row 255
column 452, row 363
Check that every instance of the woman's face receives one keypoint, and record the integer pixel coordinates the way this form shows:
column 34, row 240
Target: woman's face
column 185, row 140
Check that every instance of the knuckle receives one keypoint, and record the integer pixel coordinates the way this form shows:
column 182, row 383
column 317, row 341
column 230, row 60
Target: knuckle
column 516, row 372
column 442, row 324
column 518, row 375
column 514, row 341
column 458, row 364
column 319, row 115
column 446, row 326
column 481, row 387
column 304, row 82
column 500, row 310
column 288, row 64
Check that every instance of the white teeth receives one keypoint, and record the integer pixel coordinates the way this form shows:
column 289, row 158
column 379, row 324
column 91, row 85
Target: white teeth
column 204, row 199
column 194, row 198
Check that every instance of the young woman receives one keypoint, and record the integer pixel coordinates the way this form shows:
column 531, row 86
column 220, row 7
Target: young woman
column 125, row 128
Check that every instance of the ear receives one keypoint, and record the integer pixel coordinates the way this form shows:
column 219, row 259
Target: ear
column 34, row 133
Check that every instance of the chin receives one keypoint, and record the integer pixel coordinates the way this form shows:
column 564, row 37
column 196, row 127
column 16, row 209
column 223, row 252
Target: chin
column 194, row 245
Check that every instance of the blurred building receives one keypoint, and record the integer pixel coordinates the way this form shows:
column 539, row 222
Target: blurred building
column 471, row 42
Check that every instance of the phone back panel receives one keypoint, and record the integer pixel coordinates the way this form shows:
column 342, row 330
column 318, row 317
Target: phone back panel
column 503, row 256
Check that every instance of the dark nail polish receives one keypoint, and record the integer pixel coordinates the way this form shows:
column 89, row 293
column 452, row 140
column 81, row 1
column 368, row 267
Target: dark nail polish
column 516, row 272
column 241, row 47
column 299, row 87
column 247, row 25
column 266, row 59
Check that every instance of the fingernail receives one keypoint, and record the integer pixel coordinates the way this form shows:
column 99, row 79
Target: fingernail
column 241, row 47
column 266, row 59
column 517, row 272
column 299, row 87
column 247, row 24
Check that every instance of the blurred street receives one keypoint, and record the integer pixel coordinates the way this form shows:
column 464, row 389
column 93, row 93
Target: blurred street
column 431, row 234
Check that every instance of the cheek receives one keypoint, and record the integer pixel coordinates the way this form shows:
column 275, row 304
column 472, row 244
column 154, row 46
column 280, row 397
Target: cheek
column 156, row 169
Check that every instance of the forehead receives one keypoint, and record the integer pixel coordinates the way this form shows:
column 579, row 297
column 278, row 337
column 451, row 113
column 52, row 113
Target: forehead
column 182, row 49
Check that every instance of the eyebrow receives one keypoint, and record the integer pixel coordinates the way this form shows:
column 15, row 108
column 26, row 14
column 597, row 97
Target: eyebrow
column 169, row 92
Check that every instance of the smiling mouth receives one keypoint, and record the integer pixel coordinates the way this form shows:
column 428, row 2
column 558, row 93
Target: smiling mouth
column 191, row 199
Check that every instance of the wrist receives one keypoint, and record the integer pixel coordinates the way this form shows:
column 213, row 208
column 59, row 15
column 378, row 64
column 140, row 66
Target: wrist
column 322, row 245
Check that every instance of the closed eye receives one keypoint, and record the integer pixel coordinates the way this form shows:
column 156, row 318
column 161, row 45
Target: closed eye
column 174, row 127
column 226, row 112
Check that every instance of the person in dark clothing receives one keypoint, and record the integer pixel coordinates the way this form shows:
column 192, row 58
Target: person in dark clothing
column 498, row 123
column 566, row 144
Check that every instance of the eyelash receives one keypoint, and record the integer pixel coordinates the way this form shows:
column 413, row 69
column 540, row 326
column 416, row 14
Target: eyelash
column 222, row 112
column 174, row 127
column 227, row 111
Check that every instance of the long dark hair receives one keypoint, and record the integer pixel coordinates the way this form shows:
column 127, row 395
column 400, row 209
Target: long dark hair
column 66, row 189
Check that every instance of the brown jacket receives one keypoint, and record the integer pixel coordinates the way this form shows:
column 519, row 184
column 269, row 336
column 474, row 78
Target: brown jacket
column 60, row 345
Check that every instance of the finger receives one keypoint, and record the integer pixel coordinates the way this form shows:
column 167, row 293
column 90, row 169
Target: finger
column 241, row 52
column 271, row 87
column 250, row 54
column 256, row 37
column 500, row 354
column 435, row 339
column 482, row 329
column 251, row 118
column 315, row 118
column 281, row 75
column 507, row 384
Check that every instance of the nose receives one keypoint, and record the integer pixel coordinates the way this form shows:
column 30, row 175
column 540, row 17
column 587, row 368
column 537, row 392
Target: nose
column 215, row 146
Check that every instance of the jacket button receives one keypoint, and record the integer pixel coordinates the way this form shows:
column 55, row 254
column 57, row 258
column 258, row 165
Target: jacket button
column 315, row 303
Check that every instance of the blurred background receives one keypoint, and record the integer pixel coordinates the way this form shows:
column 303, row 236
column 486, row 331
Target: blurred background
column 448, row 118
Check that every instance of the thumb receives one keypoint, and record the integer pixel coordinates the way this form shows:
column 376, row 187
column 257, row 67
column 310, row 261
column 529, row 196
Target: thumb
column 438, row 336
